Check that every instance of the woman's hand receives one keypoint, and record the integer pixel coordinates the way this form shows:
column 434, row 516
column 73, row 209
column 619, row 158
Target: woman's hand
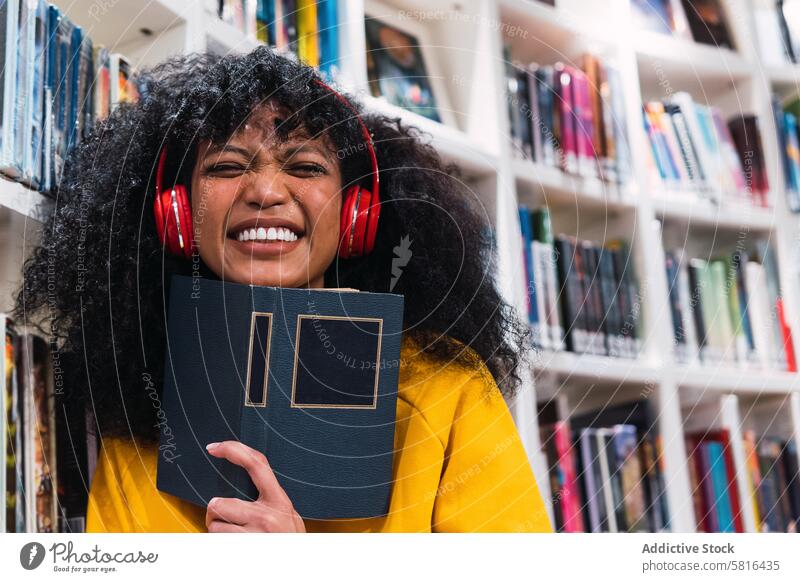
column 271, row 512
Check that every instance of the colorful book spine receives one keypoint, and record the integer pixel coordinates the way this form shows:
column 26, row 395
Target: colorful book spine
column 307, row 32
column 328, row 38
column 565, row 115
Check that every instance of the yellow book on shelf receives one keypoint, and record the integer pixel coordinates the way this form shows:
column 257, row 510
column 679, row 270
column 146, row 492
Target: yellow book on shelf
column 753, row 473
column 307, row 38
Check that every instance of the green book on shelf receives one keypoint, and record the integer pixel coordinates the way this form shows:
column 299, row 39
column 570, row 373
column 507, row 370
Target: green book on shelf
column 722, row 314
column 735, row 312
column 712, row 348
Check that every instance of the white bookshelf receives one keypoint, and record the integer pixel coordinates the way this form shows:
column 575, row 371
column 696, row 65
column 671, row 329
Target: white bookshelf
column 466, row 47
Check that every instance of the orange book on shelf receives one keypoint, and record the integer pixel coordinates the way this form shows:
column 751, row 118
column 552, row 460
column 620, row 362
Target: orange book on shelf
column 753, row 474
column 786, row 335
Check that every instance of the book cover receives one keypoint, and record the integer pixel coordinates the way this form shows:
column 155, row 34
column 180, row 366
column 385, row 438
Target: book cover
column 626, row 444
column 707, row 22
column 396, row 69
column 308, row 377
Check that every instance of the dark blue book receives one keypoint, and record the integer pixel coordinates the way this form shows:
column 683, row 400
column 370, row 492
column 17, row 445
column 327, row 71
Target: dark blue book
column 306, row 376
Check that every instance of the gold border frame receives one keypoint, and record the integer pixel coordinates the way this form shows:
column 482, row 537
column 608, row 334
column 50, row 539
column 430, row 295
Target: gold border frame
column 374, row 404
column 247, row 401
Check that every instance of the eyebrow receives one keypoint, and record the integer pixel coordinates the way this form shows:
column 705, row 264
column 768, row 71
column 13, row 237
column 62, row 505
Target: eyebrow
column 220, row 148
column 306, row 147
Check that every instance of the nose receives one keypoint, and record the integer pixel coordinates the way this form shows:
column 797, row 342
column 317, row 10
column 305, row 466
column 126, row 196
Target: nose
column 267, row 188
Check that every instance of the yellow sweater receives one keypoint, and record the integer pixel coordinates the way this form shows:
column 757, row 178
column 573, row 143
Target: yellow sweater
column 459, row 466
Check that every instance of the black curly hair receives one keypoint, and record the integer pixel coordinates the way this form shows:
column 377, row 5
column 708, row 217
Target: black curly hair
column 96, row 282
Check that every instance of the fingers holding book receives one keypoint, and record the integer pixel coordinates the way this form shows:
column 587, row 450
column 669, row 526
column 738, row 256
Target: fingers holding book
column 271, row 512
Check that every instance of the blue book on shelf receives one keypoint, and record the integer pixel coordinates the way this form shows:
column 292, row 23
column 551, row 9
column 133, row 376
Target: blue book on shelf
column 328, row 25
column 527, row 239
column 306, row 376
column 73, row 82
column 9, row 23
column 719, row 481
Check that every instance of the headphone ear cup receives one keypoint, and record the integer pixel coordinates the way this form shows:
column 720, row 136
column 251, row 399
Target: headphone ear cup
column 185, row 214
column 346, row 224
column 372, row 223
column 360, row 226
column 158, row 211
column 171, row 227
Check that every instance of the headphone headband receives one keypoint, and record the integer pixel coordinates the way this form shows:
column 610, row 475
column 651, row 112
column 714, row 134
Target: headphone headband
column 364, row 130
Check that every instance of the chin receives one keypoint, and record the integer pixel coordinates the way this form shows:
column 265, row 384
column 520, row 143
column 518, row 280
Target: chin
column 266, row 276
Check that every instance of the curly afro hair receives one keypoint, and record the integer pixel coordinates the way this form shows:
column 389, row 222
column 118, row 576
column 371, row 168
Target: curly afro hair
column 96, row 283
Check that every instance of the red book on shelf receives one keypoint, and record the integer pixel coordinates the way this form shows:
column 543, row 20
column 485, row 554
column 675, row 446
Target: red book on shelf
column 564, row 108
column 570, row 496
column 583, row 126
column 786, row 334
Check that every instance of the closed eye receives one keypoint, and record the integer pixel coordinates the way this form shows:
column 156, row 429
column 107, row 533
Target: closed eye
column 225, row 169
column 309, row 169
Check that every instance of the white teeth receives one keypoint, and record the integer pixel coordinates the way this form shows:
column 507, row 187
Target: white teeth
column 264, row 234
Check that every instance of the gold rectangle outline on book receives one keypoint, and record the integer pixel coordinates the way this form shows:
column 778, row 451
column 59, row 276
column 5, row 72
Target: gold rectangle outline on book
column 247, row 401
column 374, row 404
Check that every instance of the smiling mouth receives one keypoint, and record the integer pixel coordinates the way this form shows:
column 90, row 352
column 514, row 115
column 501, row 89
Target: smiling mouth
column 265, row 234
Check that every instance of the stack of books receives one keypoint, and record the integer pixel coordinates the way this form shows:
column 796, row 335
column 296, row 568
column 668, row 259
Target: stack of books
column 581, row 296
column 704, row 21
column 773, row 482
column 55, row 85
column 789, row 145
column 568, row 117
column 695, row 153
column 306, row 29
column 715, row 492
column 42, row 482
column 729, row 310
column 605, row 470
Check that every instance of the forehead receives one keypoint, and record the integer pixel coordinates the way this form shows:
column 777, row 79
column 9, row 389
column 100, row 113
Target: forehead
column 264, row 122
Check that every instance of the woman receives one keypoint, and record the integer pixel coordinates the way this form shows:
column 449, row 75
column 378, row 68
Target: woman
column 260, row 143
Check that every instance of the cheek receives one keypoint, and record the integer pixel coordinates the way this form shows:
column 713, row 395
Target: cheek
column 328, row 218
column 209, row 208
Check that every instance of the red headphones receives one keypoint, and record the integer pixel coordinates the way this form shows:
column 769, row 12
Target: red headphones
column 360, row 208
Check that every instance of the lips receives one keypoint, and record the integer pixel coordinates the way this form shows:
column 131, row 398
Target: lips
column 265, row 228
column 265, row 237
